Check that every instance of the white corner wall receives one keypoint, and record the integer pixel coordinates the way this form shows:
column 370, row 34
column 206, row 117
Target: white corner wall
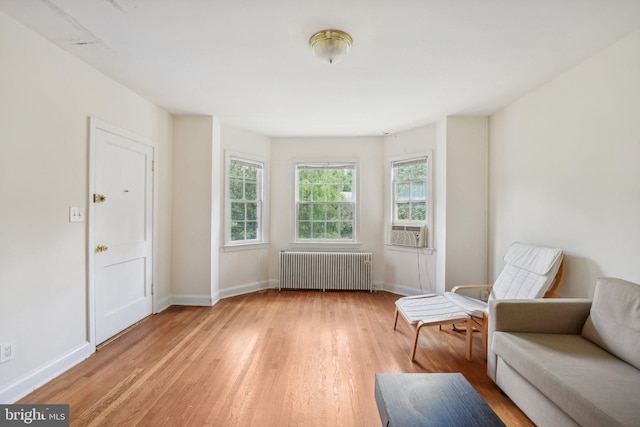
column 246, row 269
column 195, row 205
column 47, row 98
column 407, row 270
column 564, row 169
column 461, row 171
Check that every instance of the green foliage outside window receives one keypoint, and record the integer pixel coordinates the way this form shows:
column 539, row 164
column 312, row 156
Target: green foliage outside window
column 325, row 202
column 410, row 190
column 243, row 194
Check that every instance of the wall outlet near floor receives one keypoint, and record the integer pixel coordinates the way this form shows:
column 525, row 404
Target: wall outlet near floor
column 7, row 351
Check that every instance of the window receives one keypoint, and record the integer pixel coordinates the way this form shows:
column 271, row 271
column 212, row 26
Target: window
column 411, row 190
column 244, row 204
column 325, row 201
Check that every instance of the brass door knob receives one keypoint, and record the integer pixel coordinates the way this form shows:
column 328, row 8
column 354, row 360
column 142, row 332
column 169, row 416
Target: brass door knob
column 101, row 248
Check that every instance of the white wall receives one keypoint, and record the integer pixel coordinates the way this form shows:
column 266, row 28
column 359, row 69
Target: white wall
column 407, row 270
column 461, row 198
column 46, row 99
column 193, row 152
column 368, row 151
column 565, row 172
column 244, row 269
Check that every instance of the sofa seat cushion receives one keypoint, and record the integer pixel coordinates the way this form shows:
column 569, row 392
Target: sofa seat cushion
column 591, row 385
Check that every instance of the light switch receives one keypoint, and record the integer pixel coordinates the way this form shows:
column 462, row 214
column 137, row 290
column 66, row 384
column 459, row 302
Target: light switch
column 76, row 214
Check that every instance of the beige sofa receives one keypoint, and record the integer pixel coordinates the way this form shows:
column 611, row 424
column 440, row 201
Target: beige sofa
column 568, row 362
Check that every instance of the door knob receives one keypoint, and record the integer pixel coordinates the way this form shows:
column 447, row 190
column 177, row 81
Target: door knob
column 101, row 248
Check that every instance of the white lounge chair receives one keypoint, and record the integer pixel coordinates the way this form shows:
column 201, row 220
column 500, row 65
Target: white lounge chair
column 530, row 271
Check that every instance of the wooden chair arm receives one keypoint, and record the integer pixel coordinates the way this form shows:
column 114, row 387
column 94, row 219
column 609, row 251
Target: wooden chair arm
column 420, row 296
column 467, row 287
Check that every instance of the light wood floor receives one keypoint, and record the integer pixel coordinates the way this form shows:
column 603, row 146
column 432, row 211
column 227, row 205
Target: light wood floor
column 291, row 358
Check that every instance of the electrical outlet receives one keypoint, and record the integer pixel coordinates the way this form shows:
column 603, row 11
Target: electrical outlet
column 7, row 351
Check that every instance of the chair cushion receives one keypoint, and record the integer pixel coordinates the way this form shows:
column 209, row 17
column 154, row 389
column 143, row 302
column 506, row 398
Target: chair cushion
column 473, row 307
column 535, row 259
column 428, row 309
column 592, row 386
column 528, row 273
column 614, row 319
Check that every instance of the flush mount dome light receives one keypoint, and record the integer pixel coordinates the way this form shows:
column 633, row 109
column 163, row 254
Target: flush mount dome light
column 330, row 45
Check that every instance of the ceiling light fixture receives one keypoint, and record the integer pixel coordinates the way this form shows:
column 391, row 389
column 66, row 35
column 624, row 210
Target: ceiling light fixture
column 330, row 45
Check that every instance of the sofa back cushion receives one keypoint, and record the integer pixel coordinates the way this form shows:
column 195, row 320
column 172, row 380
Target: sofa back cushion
column 614, row 319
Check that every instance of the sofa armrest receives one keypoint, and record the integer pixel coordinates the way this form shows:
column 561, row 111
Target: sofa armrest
column 551, row 316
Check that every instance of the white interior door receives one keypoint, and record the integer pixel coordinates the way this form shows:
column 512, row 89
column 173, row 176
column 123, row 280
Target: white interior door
column 123, row 230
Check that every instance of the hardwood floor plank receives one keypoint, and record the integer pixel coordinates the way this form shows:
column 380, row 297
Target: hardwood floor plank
column 268, row 358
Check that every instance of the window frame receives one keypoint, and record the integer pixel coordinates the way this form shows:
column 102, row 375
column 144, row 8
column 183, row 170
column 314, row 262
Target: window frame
column 262, row 210
column 351, row 163
column 428, row 221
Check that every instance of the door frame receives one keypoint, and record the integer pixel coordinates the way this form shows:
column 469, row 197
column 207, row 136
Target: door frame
column 94, row 126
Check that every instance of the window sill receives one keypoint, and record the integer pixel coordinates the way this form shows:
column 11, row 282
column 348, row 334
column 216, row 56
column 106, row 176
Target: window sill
column 325, row 245
column 246, row 246
column 409, row 249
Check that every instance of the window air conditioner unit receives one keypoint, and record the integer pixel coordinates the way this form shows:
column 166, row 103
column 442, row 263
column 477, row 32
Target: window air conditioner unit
column 409, row 235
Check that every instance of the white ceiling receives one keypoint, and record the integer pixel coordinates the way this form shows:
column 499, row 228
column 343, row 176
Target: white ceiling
column 248, row 63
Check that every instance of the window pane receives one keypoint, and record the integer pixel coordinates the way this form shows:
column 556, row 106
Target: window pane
column 333, row 176
column 305, row 176
column 252, row 230
column 237, row 211
column 419, row 212
column 331, row 212
column 304, row 230
column 418, row 190
column 403, row 191
column 250, row 191
column 252, row 211
column 304, row 192
column 346, row 230
column 235, row 189
column 333, row 193
column 421, row 171
column 318, row 193
column 250, row 173
column 237, row 231
column 404, row 173
column 333, row 230
column 304, row 212
column 235, row 170
column 317, row 176
column 318, row 212
column 404, row 211
column 346, row 211
column 318, row 230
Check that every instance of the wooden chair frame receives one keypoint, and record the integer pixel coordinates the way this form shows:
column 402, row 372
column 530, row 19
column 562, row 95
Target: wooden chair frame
column 472, row 324
column 468, row 321
column 484, row 324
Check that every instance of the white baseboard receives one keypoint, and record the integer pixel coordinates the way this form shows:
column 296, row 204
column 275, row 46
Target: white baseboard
column 195, row 300
column 31, row 381
column 403, row 290
column 244, row 289
column 163, row 304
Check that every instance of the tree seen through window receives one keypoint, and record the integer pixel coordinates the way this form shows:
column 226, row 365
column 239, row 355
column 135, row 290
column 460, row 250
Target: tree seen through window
column 325, row 201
